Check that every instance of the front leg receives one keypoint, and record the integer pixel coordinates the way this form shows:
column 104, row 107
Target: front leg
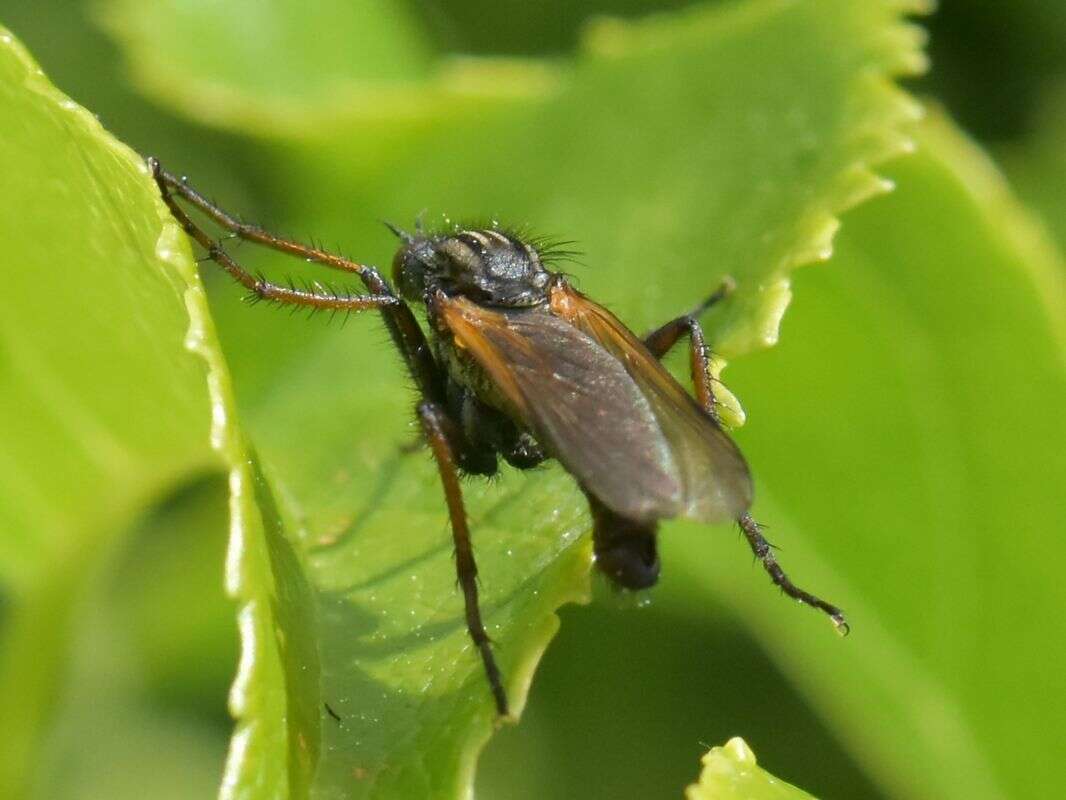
column 436, row 425
column 401, row 323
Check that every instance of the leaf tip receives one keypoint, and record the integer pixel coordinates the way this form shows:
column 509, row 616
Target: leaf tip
column 731, row 772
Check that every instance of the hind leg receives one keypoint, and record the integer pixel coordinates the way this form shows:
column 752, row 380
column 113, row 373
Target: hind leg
column 659, row 342
column 764, row 551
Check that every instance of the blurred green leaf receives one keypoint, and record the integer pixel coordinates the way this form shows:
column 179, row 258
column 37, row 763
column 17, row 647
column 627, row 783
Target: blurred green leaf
column 109, row 736
column 102, row 406
column 730, row 773
column 910, row 447
column 168, row 596
column 638, row 689
column 106, row 740
column 492, row 27
column 366, row 61
column 1036, row 165
column 996, row 99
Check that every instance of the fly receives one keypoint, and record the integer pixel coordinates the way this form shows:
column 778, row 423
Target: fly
column 519, row 365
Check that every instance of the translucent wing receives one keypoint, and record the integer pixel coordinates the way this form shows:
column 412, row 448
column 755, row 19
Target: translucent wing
column 715, row 481
column 578, row 400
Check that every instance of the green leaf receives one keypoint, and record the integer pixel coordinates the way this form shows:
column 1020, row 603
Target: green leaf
column 730, row 773
column 710, row 143
column 81, row 236
column 111, row 411
column 103, row 406
column 364, row 62
column 1036, row 165
column 749, row 184
column 910, row 446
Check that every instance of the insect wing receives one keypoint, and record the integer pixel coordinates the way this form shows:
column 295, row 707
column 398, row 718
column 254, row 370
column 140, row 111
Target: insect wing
column 716, row 484
column 579, row 402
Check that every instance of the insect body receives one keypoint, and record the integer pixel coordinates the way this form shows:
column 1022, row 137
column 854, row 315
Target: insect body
column 521, row 366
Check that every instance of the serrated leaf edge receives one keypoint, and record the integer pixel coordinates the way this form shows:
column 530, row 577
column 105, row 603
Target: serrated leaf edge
column 227, row 440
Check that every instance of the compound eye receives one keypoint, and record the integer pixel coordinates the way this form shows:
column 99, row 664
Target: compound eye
column 408, row 273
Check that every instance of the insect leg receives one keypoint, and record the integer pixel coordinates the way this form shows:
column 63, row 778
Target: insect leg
column 699, row 357
column 402, row 325
column 171, row 184
column 271, row 291
column 435, row 423
column 661, row 340
column 659, row 343
column 764, row 552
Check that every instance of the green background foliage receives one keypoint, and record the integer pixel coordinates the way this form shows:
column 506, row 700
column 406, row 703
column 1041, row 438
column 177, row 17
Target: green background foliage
column 905, row 433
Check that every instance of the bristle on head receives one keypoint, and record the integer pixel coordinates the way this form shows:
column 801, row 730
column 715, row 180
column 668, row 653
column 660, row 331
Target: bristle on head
column 399, row 232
